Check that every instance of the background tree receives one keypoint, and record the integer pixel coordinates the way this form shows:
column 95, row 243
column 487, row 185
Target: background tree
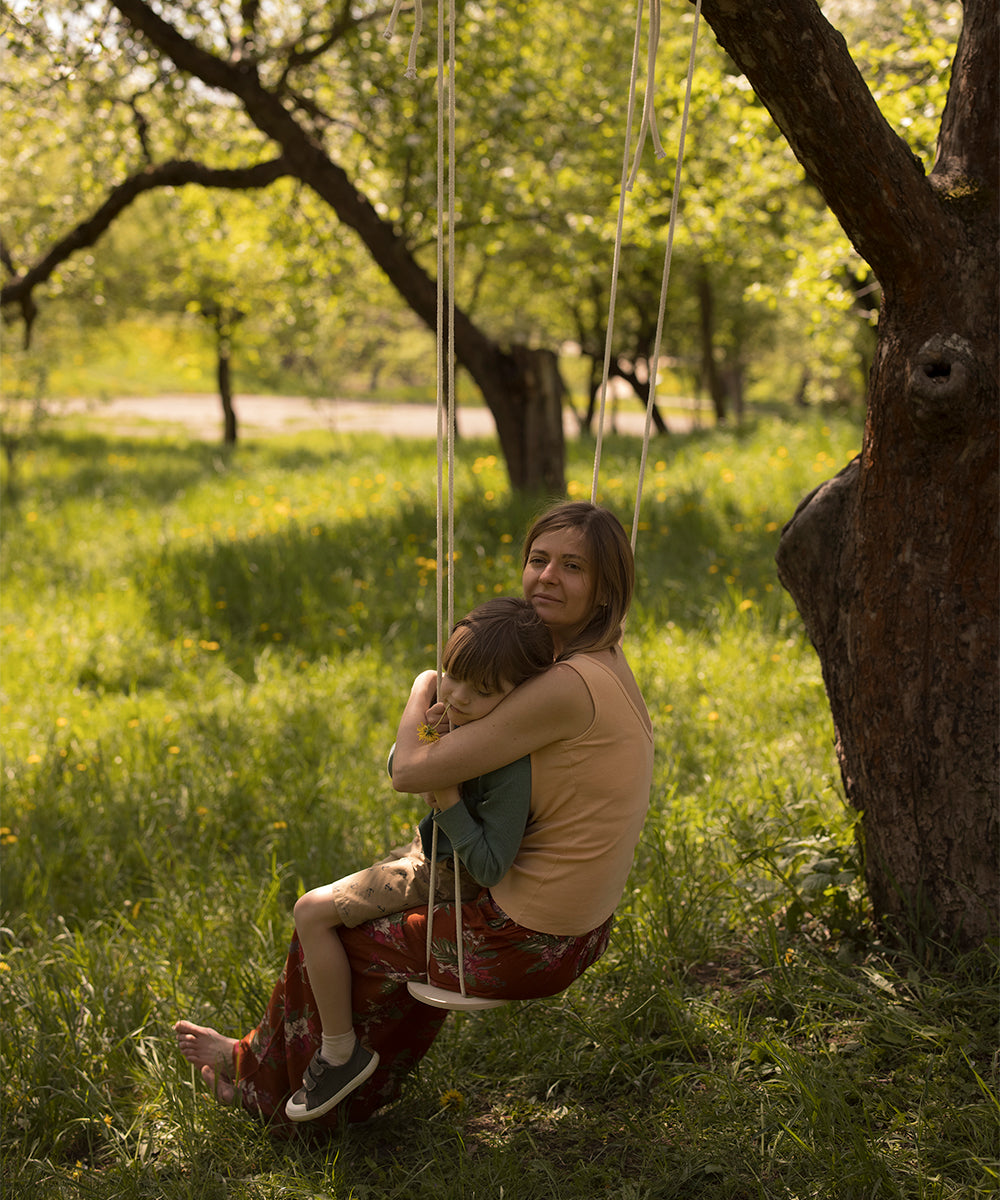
column 539, row 164
column 894, row 563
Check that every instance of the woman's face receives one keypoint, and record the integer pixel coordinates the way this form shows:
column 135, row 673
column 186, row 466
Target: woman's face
column 558, row 580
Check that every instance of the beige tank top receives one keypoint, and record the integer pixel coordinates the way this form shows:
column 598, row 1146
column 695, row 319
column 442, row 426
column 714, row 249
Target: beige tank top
column 589, row 798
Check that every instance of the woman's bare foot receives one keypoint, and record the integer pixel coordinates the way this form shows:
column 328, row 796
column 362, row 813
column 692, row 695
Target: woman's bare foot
column 204, row 1047
column 222, row 1089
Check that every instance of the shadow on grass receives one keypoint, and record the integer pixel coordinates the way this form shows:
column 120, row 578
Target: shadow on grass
column 350, row 582
column 142, row 470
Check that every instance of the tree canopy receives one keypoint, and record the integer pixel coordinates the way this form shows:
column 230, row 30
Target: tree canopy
column 114, row 102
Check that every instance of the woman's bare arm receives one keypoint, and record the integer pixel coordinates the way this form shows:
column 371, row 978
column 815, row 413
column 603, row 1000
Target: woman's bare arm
column 551, row 707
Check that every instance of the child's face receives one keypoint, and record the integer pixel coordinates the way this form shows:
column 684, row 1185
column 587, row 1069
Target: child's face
column 466, row 703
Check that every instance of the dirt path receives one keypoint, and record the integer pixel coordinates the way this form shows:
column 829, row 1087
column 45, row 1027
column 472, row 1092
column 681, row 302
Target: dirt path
column 201, row 416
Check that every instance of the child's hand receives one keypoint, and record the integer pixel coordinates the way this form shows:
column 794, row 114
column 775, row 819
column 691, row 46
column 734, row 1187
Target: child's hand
column 446, row 798
column 435, row 717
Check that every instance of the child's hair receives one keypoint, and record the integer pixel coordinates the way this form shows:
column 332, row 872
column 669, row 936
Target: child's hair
column 612, row 566
column 503, row 641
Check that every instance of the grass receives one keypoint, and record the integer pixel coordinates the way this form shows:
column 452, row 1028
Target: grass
column 204, row 659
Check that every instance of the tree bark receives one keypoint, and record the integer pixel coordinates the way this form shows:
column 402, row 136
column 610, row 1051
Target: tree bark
column 508, row 380
column 894, row 563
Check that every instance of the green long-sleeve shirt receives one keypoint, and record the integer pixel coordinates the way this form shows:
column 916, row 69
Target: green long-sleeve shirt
column 487, row 826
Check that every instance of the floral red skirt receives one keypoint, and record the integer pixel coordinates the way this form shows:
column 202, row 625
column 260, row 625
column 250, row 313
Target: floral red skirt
column 502, row 959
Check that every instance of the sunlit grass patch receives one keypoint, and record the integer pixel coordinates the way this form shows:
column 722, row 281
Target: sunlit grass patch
column 205, row 655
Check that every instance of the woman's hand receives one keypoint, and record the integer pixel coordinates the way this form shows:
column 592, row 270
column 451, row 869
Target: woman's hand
column 424, row 689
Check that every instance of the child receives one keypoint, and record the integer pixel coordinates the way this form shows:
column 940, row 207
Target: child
column 497, row 646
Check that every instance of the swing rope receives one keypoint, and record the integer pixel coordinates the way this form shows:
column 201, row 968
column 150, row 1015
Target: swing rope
column 648, row 123
column 445, row 334
column 616, row 257
column 446, row 357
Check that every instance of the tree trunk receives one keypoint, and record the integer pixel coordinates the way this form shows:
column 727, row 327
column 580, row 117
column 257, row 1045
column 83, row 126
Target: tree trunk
column 226, row 393
column 710, row 373
column 894, row 564
column 530, row 391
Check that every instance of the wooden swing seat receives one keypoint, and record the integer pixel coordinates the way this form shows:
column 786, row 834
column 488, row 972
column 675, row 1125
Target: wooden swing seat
column 438, row 997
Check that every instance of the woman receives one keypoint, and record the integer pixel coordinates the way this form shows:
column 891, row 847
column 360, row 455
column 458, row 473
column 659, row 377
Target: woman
column 584, row 724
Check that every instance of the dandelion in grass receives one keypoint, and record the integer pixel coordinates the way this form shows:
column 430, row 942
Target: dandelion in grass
column 451, row 1099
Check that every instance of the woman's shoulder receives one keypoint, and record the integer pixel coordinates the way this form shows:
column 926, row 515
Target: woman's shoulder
column 601, row 664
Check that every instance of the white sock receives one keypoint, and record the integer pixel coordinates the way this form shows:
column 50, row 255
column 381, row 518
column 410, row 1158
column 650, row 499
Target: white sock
column 337, row 1048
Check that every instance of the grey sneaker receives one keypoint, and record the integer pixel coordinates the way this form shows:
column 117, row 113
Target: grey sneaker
column 324, row 1086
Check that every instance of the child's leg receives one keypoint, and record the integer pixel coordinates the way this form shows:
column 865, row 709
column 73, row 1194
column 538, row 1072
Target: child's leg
column 316, row 918
column 395, row 883
column 342, row 1064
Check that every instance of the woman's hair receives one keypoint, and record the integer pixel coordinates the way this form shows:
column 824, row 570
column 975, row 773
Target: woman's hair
column 612, row 569
column 503, row 641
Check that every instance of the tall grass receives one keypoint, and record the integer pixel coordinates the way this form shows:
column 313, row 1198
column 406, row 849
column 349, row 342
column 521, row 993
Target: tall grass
column 204, row 659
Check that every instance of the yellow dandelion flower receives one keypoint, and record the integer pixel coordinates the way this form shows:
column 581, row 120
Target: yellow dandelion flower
column 451, row 1099
column 431, row 733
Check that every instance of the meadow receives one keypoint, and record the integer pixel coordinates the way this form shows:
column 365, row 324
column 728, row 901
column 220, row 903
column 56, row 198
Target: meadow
column 204, row 658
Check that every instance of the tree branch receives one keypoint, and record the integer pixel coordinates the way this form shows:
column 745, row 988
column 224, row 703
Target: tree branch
column 969, row 140
column 171, row 174
column 801, row 69
column 310, row 162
